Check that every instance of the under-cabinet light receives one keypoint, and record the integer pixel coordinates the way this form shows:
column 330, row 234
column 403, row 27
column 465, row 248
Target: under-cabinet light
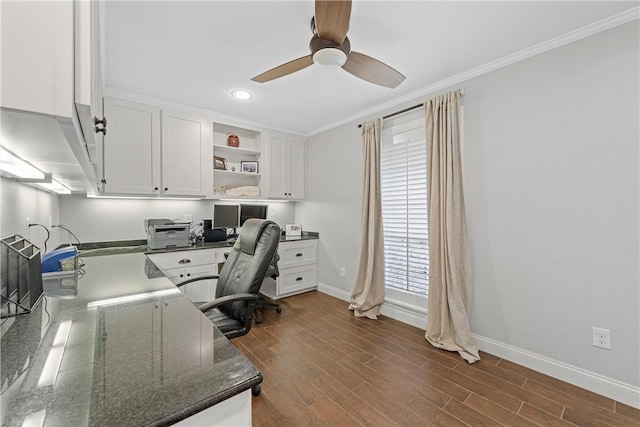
column 17, row 167
column 254, row 200
column 96, row 196
column 55, row 186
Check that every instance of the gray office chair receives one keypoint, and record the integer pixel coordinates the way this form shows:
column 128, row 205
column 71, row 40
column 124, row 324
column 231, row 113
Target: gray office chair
column 250, row 261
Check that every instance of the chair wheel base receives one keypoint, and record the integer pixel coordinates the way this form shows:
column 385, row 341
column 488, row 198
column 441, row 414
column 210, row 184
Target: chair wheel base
column 255, row 390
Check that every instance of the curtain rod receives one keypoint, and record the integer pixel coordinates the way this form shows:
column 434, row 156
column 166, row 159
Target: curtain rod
column 388, row 116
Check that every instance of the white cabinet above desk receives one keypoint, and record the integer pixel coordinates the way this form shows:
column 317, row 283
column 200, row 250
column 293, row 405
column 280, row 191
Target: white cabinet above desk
column 150, row 151
column 286, row 163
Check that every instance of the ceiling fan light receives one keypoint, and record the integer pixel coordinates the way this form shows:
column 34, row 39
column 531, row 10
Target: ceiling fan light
column 330, row 56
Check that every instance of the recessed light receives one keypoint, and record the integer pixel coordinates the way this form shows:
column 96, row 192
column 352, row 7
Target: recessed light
column 241, row 94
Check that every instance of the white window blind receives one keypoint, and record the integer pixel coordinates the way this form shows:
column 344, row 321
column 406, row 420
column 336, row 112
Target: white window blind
column 403, row 164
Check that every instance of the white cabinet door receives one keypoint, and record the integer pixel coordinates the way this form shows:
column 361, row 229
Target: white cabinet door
column 297, row 158
column 37, row 57
column 287, row 157
column 184, row 142
column 131, row 148
column 278, row 166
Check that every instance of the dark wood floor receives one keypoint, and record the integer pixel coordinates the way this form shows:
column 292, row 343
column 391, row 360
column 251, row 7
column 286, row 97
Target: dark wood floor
column 322, row 366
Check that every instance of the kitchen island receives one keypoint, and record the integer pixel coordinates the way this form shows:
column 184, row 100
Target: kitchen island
column 113, row 347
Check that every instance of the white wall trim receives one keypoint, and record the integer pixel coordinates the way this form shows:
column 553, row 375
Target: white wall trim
column 414, row 316
column 398, row 310
column 616, row 390
column 570, row 37
column 334, row 292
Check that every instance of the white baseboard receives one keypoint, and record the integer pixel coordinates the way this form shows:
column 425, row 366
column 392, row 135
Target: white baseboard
column 613, row 389
column 334, row 292
column 394, row 309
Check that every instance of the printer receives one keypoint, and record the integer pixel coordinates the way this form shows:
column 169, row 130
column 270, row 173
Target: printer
column 164, row 233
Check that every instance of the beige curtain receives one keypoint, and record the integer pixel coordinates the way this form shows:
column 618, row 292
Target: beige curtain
column 449, row 302
column 367, row 295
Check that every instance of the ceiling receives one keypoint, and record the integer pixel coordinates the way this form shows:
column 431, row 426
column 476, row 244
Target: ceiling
column 195, row 53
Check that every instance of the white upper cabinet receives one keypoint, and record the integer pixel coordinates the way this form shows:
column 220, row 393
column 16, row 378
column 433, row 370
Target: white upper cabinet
column 286, row 166
column 40, row 75
column 37, row 56
column 149, row 151
column 131, row 150
column 185, row 154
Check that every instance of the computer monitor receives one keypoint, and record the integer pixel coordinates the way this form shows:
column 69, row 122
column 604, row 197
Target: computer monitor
column 252, row 211
column 225, row 216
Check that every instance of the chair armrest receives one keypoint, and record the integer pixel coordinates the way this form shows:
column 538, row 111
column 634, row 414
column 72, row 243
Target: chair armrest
column 195, row 279
column 227, row 299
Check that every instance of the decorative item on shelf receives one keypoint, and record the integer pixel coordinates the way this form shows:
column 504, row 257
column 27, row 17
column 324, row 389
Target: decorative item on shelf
column 219, row 190
column 293, row 231
column 219, row 163
column 249, row 167
column 244, row 191
column 233, row 140
column 233, row 168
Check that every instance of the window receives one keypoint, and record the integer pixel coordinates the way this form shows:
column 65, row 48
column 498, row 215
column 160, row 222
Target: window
column 403, row 164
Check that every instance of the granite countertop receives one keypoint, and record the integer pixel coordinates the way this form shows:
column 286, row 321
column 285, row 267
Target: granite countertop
column 134, row 246
column 113, row 347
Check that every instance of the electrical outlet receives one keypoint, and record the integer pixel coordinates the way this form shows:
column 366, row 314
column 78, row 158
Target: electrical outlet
column 343, row 272
column 602, row 338
column 188, row 218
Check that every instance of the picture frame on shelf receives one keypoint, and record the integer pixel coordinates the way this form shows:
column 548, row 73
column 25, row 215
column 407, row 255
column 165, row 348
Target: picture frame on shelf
column 219, row 163
column 293, row 232
column 249, row 167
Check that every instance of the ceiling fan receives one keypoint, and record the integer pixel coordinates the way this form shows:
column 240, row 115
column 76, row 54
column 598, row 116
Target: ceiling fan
column 330, row 46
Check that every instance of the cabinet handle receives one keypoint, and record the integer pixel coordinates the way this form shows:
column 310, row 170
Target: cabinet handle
column 182, row 275
column 188, row 274
column 184, row 261
column 299, row 254
column 155, row 188
column 100, row 125
column 298, row 279
column 166, row 189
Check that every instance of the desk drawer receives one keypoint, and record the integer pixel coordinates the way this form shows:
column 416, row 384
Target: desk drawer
column 186, row 259
column 293, row 254
column 297, row 279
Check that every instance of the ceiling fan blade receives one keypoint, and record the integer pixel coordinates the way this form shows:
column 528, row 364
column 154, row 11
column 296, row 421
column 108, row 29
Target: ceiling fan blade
column 332, row 20
column 284, row 69
column 372, row 70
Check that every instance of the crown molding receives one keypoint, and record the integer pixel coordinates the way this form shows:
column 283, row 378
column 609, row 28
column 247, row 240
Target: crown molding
column 570, row 37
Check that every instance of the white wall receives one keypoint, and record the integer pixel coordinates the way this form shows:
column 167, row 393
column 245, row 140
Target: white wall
column 551, row 174
column 333, row 200
column 20, row 201
column 103, row 220
column 552, row 184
